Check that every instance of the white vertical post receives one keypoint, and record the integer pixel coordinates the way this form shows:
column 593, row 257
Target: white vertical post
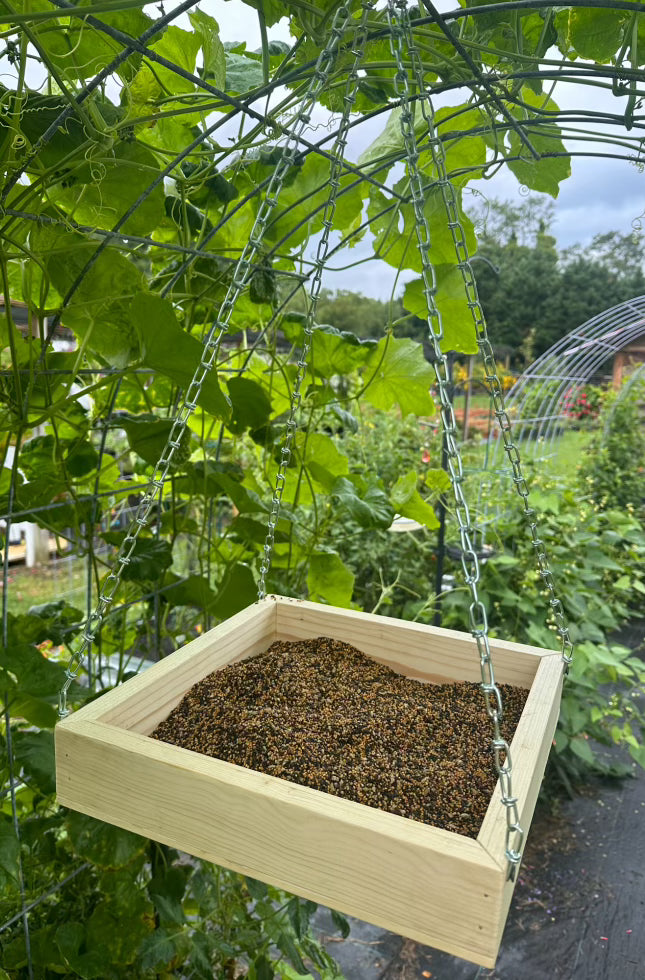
column 37, row 545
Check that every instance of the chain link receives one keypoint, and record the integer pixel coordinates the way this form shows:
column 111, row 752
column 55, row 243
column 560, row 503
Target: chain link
column 451, row 205
column 336, row 168
column 401, row 38
column 240, row 278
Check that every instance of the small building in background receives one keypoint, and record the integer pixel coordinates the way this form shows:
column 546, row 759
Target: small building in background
column 628, row 358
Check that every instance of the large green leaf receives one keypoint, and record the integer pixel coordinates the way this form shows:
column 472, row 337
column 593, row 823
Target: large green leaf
column 120, row 180
column 464, row 148
column 194, row 590
column 147, row 437
column 36, row 711
column 369, row 508
column 458, row 325
column 247, row 529
column 9, row 848
column 323, row 463
column 336, row 352
column 149, row 560
column 581, row 748
column 212, row 479
column 34, row 114
column 101, row 843
column 398, row 374
column 34, row 751
column 546, row 174
column 329, row 579
column 389, row 143
column 250, row 402
column 99, row 310
column 242, row 74
column 36, row 676
column 156, row 951
column 321, row 449
column 237, row 591
column 436, row 480
column 38, row 458
column 55, row 621
column 180, row 47
column 70, row 936
column 393, row 227
column 80, row 52
column 126, row 930
column 301, row 205
column 214, row 56
column 408, row 501
column 173, row 352
column 596, row 34
column 81, row 458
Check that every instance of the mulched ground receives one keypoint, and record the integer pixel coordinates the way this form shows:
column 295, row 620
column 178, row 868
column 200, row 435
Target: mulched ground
column 322, row 714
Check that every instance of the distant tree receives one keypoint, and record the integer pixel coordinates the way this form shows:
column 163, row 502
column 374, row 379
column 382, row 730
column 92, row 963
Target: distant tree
column 504, row 222
column 594, row 278
column 531, row 294
column 516, row 268
column 362, row 315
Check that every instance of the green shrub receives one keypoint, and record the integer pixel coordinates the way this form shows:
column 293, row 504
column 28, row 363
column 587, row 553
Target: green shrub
column 598, row 562
column 613, row 467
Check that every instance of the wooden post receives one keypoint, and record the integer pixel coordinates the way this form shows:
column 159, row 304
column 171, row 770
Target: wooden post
column 619, row 367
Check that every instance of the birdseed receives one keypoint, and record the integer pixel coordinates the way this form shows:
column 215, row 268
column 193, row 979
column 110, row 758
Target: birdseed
column 321, row 713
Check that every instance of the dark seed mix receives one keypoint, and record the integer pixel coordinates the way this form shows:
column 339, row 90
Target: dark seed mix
column 322, row 714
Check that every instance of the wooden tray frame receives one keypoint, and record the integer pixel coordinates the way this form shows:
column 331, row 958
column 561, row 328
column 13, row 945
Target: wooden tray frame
column 431, row 885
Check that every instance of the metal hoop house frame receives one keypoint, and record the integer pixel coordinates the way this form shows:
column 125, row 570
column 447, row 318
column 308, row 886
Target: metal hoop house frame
column 537, row 399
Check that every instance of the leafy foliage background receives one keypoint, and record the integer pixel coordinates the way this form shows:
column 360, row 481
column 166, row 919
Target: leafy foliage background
column 125, row 203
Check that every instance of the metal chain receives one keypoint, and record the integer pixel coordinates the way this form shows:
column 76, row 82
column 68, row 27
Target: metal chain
column 401, row 36
column 336, row 168
column 241, row 275
column 463, row 260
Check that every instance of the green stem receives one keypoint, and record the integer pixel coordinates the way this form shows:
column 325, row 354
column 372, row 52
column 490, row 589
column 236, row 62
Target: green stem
column 79, row 11
column 265, row 42
column 17, row 379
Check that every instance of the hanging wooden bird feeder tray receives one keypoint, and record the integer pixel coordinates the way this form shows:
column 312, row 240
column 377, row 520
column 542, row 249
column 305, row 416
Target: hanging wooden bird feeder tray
column 431, row 885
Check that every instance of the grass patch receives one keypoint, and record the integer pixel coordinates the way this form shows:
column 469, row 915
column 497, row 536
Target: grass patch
column 62, row 578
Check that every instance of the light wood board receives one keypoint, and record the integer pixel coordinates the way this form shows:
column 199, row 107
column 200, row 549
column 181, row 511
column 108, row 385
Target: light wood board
column 431, row 885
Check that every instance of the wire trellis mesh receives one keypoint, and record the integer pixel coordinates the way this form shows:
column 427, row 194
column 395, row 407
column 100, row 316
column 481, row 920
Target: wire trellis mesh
column 136, row 152
column 541, row 399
